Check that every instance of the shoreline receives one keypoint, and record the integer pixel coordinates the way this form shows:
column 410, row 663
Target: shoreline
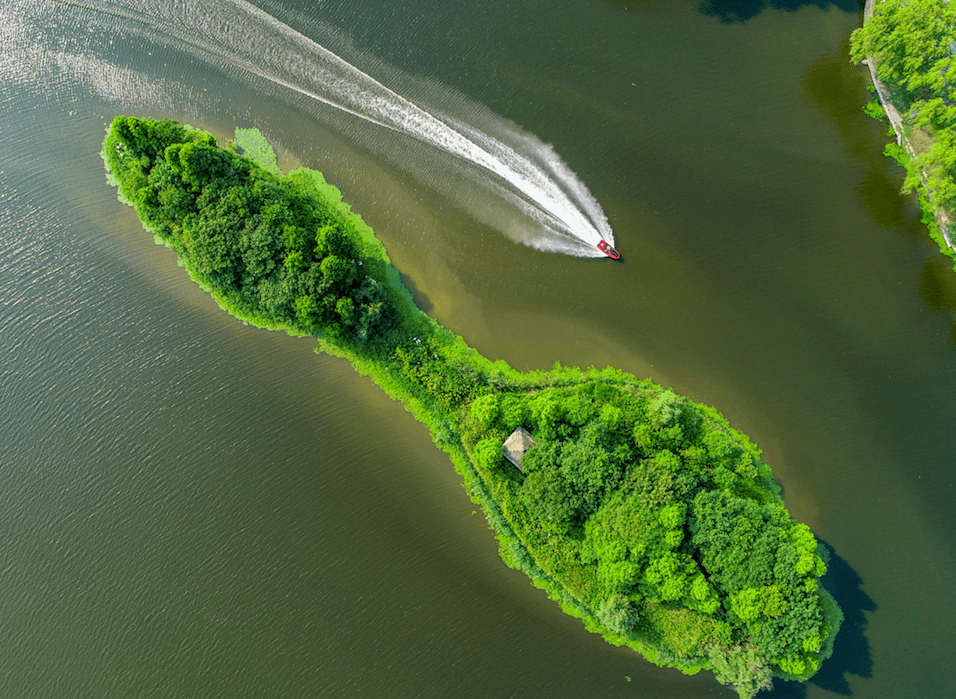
column 942, row 219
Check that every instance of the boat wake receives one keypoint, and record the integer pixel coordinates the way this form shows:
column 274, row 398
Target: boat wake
column 559, row 212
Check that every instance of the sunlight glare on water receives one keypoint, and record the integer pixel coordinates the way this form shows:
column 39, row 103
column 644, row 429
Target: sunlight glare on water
column 560, row 214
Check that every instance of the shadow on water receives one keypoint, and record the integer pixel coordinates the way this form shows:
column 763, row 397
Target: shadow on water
column 879, row 190
column 421, row 299
column 838, row 88
column 851, row 654
column 937, row 288
column 744, row 10
column 881, row 196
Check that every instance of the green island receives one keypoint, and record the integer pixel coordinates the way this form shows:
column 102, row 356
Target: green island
column 640, row 512
column 909, row 46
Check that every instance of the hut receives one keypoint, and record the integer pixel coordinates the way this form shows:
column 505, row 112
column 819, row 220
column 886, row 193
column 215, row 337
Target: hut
column 516, row 445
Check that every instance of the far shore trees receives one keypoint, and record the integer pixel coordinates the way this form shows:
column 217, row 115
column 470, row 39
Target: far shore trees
column 913, row 45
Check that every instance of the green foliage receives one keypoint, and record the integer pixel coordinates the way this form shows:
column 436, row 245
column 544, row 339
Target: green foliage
column 488, row 453
column 939, row 164
column 913, row 43
column 619, row 614
column 874, row 109
column 639, row 511
column 666, row 522
column 484, row 410
column 253, row 145
column 742, row 667
column 280, row 250
column 911, row 40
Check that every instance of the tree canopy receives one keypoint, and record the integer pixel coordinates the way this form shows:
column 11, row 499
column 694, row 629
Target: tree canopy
column 913, row 43
column 267, row 246
column 665, row 522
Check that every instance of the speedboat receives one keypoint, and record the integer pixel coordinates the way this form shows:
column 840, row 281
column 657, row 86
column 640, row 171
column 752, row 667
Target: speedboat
column 608, row 250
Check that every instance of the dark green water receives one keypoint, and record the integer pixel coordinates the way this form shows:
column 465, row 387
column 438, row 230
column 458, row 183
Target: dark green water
column 194, row 508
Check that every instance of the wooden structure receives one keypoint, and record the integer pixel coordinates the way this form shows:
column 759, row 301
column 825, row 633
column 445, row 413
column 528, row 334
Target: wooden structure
column 516, row 445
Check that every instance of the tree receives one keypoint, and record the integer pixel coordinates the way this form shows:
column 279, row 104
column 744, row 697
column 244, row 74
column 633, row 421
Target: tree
column 246, row 234
column 911, row 41
column 742, row 667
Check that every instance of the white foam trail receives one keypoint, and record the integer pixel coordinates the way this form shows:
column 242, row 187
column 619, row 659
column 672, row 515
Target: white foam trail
column 239, row 35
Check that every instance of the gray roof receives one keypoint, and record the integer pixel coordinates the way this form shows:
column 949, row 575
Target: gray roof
column 517, row 444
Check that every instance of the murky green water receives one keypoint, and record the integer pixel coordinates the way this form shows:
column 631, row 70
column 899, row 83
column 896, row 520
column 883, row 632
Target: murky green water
column 193, row 508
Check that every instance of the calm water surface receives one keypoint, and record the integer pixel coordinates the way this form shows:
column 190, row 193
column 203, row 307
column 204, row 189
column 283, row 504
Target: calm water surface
column 191, row 507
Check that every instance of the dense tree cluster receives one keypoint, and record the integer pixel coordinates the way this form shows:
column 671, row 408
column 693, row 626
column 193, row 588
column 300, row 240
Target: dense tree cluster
column 269, row 247
column 914, row 43
column 640, row 511
column 664, row 522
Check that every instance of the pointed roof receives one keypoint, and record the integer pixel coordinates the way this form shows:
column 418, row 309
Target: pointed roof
column 517, row 444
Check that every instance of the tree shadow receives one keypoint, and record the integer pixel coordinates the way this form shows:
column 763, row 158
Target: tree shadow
column 881, row 196
column 937, row 288
column 744, row 10
column 937, row 285
column 851, row 654
column 838, row 88
column 785, row 690
column 421, row 299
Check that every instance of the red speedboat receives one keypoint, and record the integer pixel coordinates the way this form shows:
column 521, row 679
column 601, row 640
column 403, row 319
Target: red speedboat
column 606, row 248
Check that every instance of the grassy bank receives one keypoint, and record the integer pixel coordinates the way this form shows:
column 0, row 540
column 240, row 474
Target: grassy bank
column 640, row 512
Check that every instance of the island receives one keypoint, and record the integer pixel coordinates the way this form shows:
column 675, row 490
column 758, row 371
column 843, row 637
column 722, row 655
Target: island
column 637, row 510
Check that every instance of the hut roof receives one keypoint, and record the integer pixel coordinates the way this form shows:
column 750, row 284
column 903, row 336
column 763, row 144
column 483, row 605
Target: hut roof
column 517, row 444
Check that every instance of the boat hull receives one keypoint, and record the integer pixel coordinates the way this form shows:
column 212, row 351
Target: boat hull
column 608, row 250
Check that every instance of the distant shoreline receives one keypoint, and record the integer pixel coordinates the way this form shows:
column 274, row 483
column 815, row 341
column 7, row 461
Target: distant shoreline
column 942, row 219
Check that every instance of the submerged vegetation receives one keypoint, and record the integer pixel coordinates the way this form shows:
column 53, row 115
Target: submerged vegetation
column 912, row 45
column 639, row 511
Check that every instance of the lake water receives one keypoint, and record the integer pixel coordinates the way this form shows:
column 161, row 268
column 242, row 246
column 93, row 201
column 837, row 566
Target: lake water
column 190, row 507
